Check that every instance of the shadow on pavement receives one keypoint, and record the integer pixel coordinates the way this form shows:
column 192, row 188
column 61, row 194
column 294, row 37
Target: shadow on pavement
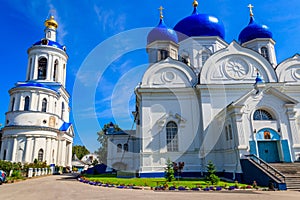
column 67, row 177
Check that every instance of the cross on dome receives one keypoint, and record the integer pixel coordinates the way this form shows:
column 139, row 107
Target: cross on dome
column 161, row 12
column 250, row 6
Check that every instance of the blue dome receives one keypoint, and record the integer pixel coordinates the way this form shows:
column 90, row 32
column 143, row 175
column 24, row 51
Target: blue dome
column 253, row 31
column 199, row 25
column 50, row 43
column 162, row 32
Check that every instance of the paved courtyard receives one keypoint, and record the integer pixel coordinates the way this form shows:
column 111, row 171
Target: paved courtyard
column 66, row 187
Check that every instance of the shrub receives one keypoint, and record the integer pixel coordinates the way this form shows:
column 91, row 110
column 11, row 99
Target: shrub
column 211, row 174
column 16, row 174
column 169, row 171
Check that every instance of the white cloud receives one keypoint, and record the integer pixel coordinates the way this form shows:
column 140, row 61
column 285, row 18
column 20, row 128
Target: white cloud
column 110, row 21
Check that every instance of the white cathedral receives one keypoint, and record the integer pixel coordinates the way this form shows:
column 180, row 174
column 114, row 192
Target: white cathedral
column 203, row 99
column 37, row 123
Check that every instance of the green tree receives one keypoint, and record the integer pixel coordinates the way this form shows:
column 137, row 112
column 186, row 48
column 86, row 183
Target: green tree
column 211, row 174
column 80, row 151
column 102, row 139
column 169, row 171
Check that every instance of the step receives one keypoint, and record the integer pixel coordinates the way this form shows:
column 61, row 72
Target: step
column 291, row 172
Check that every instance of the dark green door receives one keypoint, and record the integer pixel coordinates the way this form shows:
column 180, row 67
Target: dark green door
column 268, row 151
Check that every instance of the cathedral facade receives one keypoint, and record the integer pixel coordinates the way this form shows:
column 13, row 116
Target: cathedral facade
column 37, row 121
column 203, row 99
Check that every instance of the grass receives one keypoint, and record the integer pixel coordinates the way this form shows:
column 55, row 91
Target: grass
column 153, row 182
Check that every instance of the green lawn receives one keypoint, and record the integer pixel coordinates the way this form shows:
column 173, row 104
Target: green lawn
column 153, row 182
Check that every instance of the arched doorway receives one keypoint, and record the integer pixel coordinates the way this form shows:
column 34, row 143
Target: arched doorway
column 268, row 144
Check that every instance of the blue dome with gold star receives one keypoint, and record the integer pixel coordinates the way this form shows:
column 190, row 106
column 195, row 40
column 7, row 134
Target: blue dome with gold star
column 162, row 32
column 199, row 25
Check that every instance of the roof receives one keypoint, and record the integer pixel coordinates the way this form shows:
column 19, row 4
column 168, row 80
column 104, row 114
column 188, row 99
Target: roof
column 111, row 131
column 46, row 42
column 51, row 86
column 254, row 31
column 162, row 32
column 199, row 25
column 65, row 126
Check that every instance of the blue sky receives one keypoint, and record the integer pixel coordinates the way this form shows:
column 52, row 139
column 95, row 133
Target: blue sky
column 106, row 43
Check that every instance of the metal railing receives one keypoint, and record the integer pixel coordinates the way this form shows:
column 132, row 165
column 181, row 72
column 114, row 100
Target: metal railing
column 267, row 167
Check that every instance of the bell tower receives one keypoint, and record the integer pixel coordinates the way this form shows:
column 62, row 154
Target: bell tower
column 37, row 122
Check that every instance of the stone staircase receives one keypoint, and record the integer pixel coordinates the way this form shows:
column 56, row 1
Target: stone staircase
column 291, row 172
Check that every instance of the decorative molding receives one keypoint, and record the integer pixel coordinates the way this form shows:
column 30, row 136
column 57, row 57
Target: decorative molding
column 236, row 68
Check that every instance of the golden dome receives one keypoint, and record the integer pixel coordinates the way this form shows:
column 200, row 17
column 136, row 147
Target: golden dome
column 51, row 23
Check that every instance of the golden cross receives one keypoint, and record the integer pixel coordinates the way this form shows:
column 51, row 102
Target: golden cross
column 161, row 12
column 251, row 9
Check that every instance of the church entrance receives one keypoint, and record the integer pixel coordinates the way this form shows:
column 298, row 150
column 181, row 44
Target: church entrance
column 268, row 144
column 268, row 151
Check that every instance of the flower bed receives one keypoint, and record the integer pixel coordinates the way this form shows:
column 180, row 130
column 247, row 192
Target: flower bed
column 162, row 185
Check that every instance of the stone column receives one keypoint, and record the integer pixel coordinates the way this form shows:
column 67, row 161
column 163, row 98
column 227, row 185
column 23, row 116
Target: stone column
column 48, row 150
column 34, row 149
column 294, row 134
column 9, row 148
column 63, row 153
column 28, row 149
column 69, row 158
column 49, row 67
column 239, row 139
column 2, row 148
column 58, row 153
column 14, row 149
column 18, row 102
column 52, row 156
column 34, row 67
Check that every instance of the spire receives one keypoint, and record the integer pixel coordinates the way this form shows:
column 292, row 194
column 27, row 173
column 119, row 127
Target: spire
column 50, row 30
column 195, row 4
column 250, row 6
column 161, row 12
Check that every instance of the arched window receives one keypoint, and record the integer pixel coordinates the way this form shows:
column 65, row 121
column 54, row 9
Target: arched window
column 262, row 115
column 125, row 147
column 119, row 148
column 55, row 70
column 42, row 68
column 62, row 109
column 41, row 155
column 163, row 54
column 26, row 103
column 12, row 104
column 48, row 34
column 44, row 105
column 265, row 52
column 172, row 136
